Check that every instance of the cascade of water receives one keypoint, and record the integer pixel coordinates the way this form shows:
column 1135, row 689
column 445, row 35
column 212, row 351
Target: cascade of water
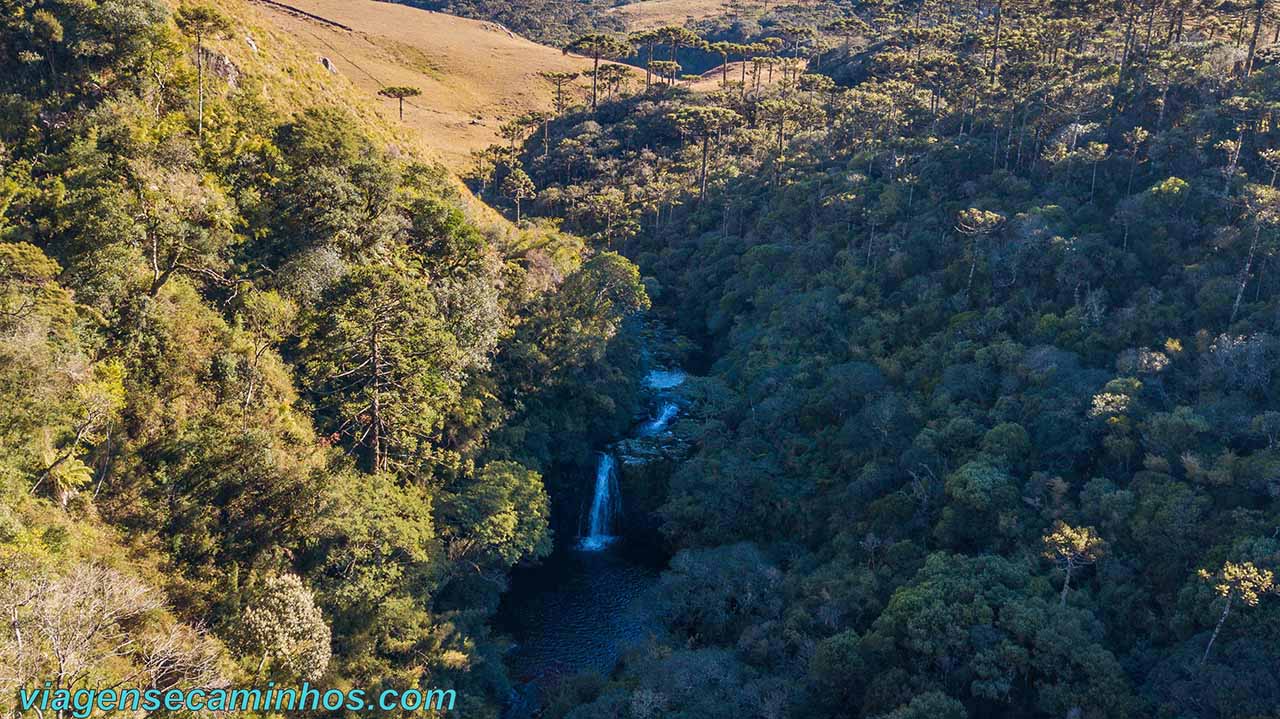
column 660, row 422
column 664, row 379
column 604, row 504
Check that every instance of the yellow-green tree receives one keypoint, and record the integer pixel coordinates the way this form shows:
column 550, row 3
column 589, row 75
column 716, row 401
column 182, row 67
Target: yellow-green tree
column 1071, row 548
column 1242, row 582
column 201, row 22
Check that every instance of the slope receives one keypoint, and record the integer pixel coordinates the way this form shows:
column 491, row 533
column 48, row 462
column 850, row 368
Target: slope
column 473, row 75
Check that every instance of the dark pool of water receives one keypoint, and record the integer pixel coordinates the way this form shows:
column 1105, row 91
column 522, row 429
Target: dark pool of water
column 576, row 612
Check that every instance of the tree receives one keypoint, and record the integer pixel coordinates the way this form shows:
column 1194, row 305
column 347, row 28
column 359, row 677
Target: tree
column 185, row 223
column 847, row 28
column 667, row 70
column 201, row 21
column 1071, row 548
column 586, row 313
column 722, row 49
column 611, row 77
column 283, row 626
column 597, row 46
column 98, row 402
column 1093, row 153
column 1260, row 10
column 1263, row 212
column 400, row 92
column 1244, row 582
column 704, row 122
column 267, row 318
column 484, row 164
column 676, row 37
column 497, row 517
column 518, row 187
column 559, row 80
column 383, row 368
column 1271, row 158
column 778, row 112
column 978, row 225
column 77, row 627
column 647, row 39
column 929, row 705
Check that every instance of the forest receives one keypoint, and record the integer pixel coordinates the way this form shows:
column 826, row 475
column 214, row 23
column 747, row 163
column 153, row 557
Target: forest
column 272, row 406
column 983, row 418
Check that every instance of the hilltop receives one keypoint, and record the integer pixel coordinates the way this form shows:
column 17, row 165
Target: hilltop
column 649, row 14
column 474, row 75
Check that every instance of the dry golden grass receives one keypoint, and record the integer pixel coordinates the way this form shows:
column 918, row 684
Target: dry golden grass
column 649, row 14
column 282, row 56
column 473, row 75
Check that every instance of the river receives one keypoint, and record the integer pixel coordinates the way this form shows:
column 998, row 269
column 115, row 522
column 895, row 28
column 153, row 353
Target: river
column 581, row 608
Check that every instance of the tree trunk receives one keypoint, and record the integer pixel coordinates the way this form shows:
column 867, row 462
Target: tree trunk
column 200, row 86
column 648, row 69
column 1244, row 273
column 1066, row 585
column 1133, row 168
column 1225, row 610
column 595, row 79
column 375, row 430
column 1234, row 163
column 706, row 140
column 1253, row 41
column 995, row 45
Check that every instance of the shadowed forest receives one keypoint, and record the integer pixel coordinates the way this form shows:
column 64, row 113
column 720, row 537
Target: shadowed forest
column 978, row 302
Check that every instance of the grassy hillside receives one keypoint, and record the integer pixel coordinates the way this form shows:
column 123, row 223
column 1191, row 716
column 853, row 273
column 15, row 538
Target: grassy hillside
column 474, row 75
column 202, row 482
column 649, row 14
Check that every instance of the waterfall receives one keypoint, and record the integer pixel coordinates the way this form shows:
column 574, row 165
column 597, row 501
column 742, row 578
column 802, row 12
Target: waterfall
column 604, row 505
column 661, row 379
column 606, row 500
column 660, row 422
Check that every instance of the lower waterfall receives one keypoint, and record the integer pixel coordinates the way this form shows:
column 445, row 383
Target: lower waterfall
column 604, row 505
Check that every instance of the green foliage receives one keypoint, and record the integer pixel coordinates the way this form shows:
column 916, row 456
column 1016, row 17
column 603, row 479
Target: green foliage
column 376, row 347
column 498, row 517
column 273, row 360
column 989, row 284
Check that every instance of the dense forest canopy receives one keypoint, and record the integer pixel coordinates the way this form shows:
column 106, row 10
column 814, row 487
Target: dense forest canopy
column 980, row 295
column 985, row 297
column 273, row 405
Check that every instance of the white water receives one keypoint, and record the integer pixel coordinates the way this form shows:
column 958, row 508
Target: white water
column 664, row 379
column 606, row 501
column 604, row 505
column 660, row 422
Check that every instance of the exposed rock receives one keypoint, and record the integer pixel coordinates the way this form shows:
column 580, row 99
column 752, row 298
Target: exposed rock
column 248, row 40
column 219, row 65
column 328, row 65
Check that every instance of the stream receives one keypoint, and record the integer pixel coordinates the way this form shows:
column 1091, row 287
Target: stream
column 582, row 607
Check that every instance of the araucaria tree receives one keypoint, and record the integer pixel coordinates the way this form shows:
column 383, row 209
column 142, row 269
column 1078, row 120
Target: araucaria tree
column 598, row 46
column 1244, row 582
column 518, row 187
column 379, row 354
column 1071, row 548
column 201, row 22
column 400, row 92
column 704, row 123
column 558, row 80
